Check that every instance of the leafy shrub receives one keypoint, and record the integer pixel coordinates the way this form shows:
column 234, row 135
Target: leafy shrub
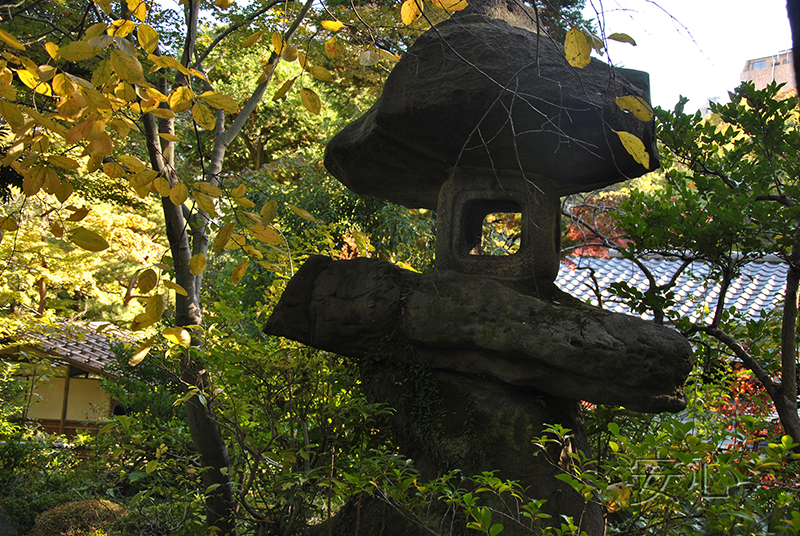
column 80, row 517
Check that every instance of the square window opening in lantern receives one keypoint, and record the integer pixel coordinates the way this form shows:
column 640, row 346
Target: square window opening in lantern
column 501, row 234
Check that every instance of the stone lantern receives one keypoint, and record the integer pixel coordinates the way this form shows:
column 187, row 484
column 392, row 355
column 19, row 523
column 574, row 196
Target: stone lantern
column 478, row 117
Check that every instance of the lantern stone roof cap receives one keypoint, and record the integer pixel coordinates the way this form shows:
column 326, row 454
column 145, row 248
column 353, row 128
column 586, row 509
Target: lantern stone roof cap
column 476, row 91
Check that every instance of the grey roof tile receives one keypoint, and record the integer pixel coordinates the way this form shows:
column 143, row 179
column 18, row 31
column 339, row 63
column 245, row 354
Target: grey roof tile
column 759, row 288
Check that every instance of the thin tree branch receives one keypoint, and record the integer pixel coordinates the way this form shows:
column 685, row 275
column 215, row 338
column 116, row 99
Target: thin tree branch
column 743, row 355
column 232, row 28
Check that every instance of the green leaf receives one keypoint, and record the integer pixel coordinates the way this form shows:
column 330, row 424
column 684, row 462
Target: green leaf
column 151, row 466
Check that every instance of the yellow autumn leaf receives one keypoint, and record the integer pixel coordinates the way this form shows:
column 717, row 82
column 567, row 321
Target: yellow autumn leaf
column 176, row 287
column 12, row 115
column 88, row 240
column 410, row 11
column 289, row 53
column 244, row 202
column 148, row 38
column 56, row 229
column 577, row 48
column 32, row 182
column 236, row 241
column 169, row 137
column 162, row 186
column 95, row 30
column 239, row 271
column 63, row 192
column 77, row 51
column 125, row 91
column 385, row 54
column 51, row 181
column 205, row 203
column 138, row 9
column 223, row 4
column 9, row 223
column 64, row 162
column 178, row 193
column 141, row 352
column 121, row 28
column 332, row 25
column 127, row 67
column 223, row 237
column 255, row 218
column 197, row 264
column 198, row 74
column 46, row 72
column 210, row 190
column 134, row 164
column 277, row 42
column 10, row 40
column 143, row 178
column 155, row 306
column 264, row 234
column 451, row 5
column 113, row 170
column 623, row 38
column 177, row 335
column 332, row 47
column 253, row 38
column 302, row 213
column 78, row 214
column 52, row 50
column 269, row 211
column 105, row 5
column 163, row 113
column 169, row 62
column 635, row 148
column 320, row 73
column 637, row 106
column 180, row 99
column 44, row 89
column 284, row 89
column 310, row 100
column 147, row 281
column 27, row 78
column 239, row 191
column 203, row 116
column 220, row 101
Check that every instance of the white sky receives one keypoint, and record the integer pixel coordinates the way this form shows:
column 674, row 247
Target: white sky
column 699, row 54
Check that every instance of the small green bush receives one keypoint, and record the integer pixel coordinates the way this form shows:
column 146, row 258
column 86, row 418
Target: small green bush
column 79, row 518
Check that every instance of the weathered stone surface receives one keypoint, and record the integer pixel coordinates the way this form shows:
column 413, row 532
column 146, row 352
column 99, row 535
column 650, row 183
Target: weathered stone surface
column 479, row 92
column 478, row 325
column 475, row 424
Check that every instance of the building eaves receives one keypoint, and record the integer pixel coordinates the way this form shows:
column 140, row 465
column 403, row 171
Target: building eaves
column 760, row 287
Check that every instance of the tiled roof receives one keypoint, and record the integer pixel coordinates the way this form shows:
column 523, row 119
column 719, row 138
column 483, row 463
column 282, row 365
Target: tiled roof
column 80, row 344
column 759, row 288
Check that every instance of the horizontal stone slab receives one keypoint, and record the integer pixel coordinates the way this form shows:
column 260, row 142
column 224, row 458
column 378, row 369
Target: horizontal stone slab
column 367, row 308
